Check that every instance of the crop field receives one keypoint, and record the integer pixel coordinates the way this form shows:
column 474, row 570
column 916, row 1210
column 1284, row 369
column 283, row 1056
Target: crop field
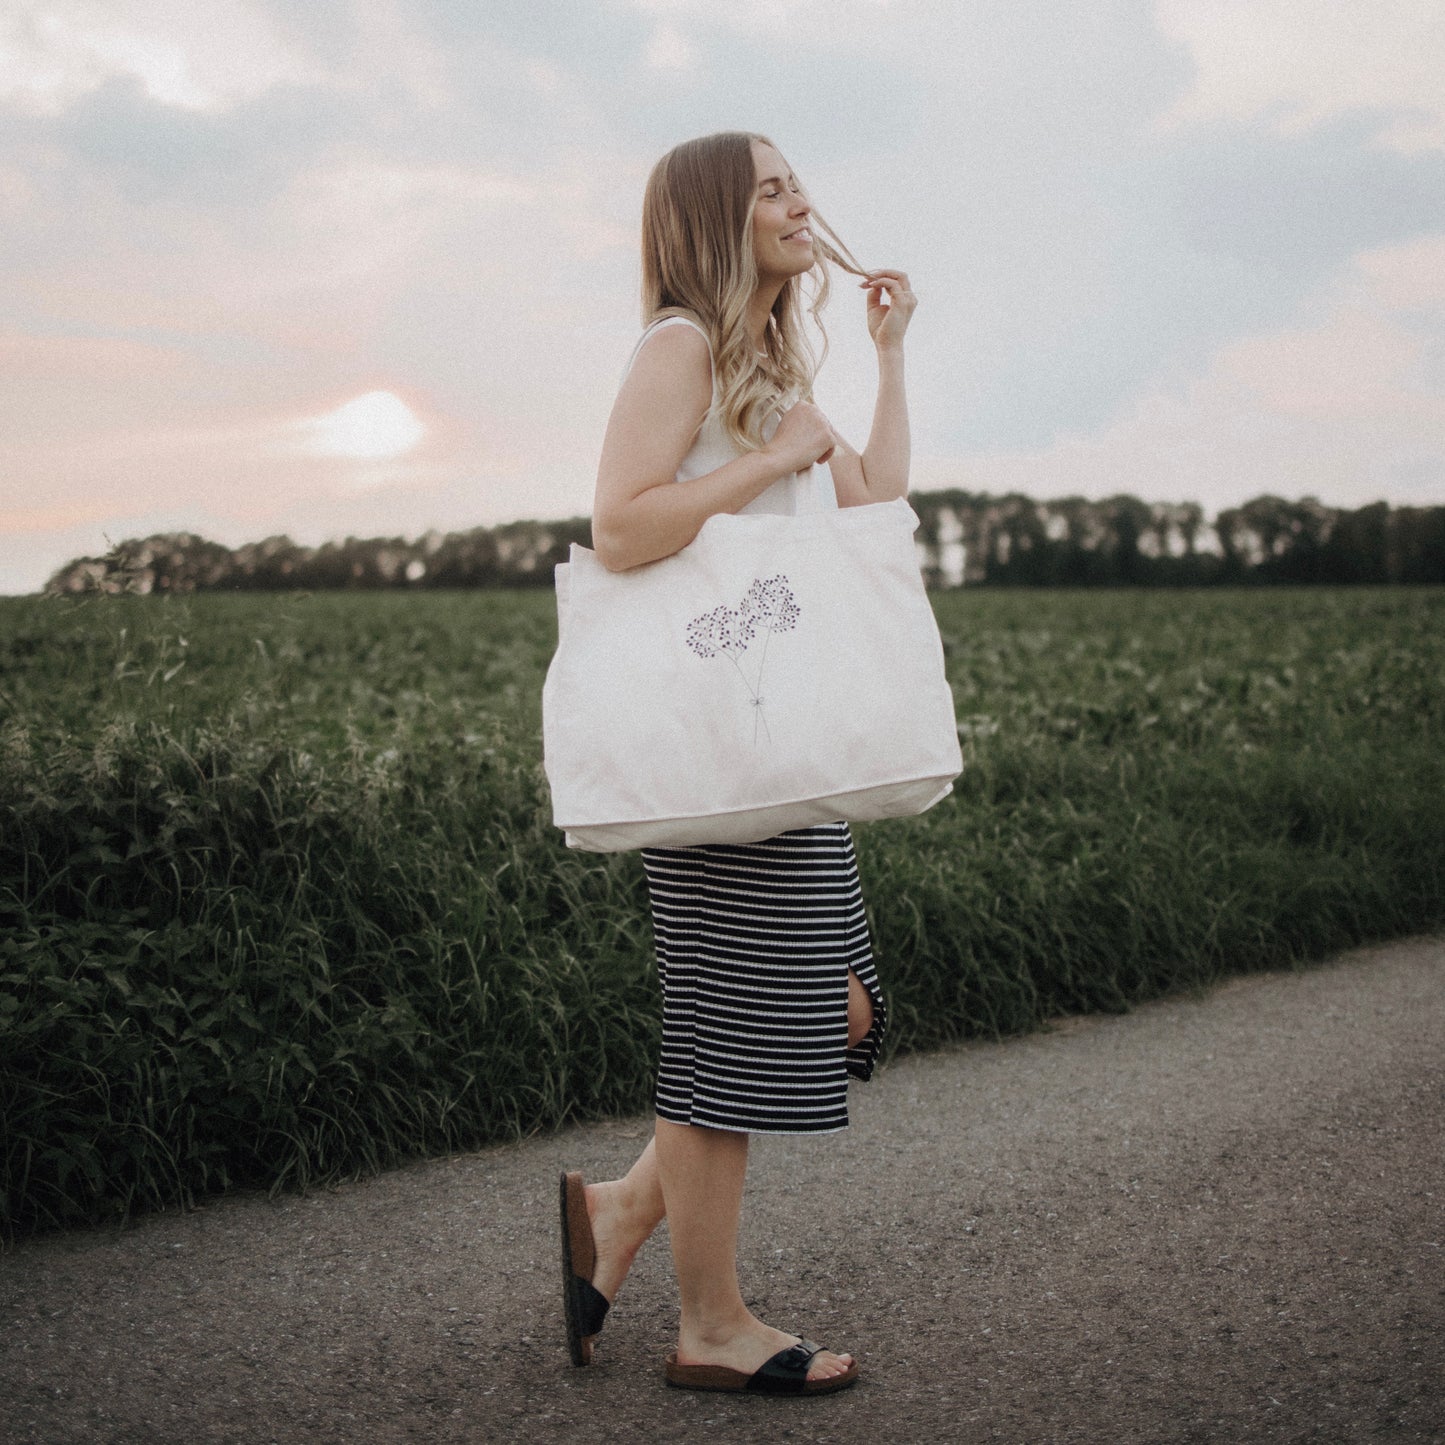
column 280, row 900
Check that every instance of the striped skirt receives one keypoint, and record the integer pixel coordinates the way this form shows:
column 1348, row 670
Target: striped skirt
column 754, row 944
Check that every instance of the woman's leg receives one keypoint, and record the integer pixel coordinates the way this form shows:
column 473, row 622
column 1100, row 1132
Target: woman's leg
column 625, row 1211
column 860, row 1011
column 702, row 1172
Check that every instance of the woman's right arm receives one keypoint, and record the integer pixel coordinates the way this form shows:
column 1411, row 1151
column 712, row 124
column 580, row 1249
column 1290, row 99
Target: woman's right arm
column 641, row 512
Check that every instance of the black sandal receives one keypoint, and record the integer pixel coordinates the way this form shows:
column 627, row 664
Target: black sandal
column 786, row 1373
column 585, row 1305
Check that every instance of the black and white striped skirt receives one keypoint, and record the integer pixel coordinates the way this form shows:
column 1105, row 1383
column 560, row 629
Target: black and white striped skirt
column 754, row 944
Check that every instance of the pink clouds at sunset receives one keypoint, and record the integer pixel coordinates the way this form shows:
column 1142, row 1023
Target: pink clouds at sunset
column 1349, row 404
column 1185, row 249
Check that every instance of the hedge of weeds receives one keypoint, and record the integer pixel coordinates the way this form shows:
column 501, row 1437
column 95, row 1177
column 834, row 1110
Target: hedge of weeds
column 224, row 964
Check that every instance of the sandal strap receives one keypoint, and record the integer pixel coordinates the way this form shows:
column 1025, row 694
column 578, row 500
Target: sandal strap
column 590, row 1304
column 787, row 1372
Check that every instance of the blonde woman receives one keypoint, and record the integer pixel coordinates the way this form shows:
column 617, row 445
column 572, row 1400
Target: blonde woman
column 770, row 999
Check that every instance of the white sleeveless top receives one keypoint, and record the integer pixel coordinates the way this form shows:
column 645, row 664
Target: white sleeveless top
column 810, row 490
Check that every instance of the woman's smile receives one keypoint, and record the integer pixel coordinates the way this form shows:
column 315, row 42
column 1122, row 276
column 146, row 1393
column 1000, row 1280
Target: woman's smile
column 782, row 237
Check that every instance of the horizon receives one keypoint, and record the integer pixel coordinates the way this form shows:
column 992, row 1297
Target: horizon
column 954, row 526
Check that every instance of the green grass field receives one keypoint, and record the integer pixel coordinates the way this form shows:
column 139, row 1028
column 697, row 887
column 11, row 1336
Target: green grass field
column 280, row 900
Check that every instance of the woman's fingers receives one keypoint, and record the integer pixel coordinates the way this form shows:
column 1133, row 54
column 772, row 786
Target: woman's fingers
column 890, row 281
column 897, row 293
column 890, row 304
column 804, row 436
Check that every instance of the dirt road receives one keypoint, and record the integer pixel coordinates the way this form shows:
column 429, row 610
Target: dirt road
column 1215, row 1219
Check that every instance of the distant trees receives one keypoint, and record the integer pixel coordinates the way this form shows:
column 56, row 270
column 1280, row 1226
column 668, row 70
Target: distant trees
column 518, row 554
column 1019, row 541
column 963, row 537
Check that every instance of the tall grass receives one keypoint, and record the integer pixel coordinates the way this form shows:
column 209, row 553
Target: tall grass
column 280, row 901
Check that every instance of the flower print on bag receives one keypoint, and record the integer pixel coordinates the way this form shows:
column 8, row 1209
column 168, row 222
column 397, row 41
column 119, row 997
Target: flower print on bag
column 768, row 607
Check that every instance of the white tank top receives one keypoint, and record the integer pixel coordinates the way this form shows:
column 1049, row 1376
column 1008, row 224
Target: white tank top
column 810, row 490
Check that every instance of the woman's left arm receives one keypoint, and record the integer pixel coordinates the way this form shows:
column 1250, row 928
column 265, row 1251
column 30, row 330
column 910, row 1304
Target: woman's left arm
column 880, row 472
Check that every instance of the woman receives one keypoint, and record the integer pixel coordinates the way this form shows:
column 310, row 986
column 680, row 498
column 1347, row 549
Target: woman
column 770, row 1000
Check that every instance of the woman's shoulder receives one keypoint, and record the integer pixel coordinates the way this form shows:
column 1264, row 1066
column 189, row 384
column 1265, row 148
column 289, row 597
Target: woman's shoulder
column 685, row 334
column 675, row 342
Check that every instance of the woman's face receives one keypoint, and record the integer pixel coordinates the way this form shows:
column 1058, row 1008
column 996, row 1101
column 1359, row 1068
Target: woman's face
column 782, row 240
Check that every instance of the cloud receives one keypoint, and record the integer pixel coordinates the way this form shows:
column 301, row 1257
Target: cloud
column 1409, row 277
column 669, row 49
column 50, row 518
column 194, row 58
column 822, row 24
column 1301, row 64
column 1349, row 407
column 1069, row 254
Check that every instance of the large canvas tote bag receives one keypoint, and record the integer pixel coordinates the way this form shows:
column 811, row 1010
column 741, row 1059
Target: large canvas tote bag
column 779, row 671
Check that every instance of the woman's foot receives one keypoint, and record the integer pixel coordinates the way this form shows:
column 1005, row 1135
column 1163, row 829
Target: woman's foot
column 749, row 1346
column 619, row 1229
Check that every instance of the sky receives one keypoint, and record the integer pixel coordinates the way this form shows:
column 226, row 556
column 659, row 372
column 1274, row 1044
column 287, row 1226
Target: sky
column 369, row 267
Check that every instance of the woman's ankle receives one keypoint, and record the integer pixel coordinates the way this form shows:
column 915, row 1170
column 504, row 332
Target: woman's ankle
column 713, row 1328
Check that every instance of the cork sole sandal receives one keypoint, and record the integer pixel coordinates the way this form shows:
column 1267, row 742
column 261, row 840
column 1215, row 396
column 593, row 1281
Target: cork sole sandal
column 585, row 1307
column 786, row 1373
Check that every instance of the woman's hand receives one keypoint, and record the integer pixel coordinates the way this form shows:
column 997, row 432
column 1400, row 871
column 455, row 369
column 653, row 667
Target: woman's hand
column 804, row 436
column 887, row 323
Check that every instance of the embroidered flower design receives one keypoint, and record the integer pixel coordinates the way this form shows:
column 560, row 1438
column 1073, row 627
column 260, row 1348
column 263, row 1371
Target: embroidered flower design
column 768, row 607
column 770, row 604
column 714, row 632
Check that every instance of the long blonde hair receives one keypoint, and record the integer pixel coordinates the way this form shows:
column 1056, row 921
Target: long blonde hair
column 697, row 260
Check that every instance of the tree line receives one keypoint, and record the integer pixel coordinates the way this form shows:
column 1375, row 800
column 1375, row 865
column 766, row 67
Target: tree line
column 1018, row 541
column 963, row 538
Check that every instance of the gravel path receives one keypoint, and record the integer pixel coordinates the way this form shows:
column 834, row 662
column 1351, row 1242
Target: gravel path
column 1214, row 1219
